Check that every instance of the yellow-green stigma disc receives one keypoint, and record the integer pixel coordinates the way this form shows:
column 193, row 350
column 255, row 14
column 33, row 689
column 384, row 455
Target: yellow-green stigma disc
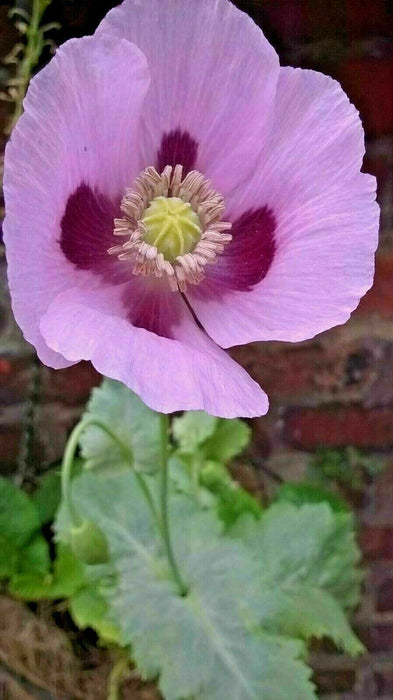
column 171, row 226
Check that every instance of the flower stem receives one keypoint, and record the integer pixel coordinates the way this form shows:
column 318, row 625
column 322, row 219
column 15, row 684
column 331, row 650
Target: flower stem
column 68, row 460
column 117, row 676
column 165, row 530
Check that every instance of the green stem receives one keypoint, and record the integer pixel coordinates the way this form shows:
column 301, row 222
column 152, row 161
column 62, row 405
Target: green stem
column 165, row 530
column 30, row 59
column 68, row 460
column 117, row 676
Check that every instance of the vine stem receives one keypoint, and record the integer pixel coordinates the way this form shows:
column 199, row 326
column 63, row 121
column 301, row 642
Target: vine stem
column 68, row 461
column 165, row 529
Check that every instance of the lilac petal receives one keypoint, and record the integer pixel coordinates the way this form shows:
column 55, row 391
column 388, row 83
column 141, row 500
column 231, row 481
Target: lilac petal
column 326, row 221
column 79, row 126
column 214, row 77
column 189, row 372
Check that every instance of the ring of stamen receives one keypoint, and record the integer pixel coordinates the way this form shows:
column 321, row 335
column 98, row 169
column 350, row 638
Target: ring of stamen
column 200, row 241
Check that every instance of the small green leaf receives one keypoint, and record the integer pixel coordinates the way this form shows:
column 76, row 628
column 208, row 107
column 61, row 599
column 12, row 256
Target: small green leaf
column 192, row 429
column 234, row 502
column 33, row 586
column 231, row 499
column 135, row 426
column 19, row 518
column 67, row 577
column 69, row 573
column 229, row 439
column 89, row 609
column 181, row 475
column 35, row 556
column 299, row 493
column 47, row 496
column 8, row 557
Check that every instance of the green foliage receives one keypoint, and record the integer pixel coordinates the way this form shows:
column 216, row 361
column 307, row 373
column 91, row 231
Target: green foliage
column 254, row 590
column 67, row 576
column 192, row 429
column 22, row 547
column 19, row 518
column 306, row 492
column 260, row 583
column 134, row 425
column 216, row 439
column 348, row 466
column 232, row 499
column 200, row 644
column 48, row 495
column 203, row 446
column 312, row 545
column 90, row 609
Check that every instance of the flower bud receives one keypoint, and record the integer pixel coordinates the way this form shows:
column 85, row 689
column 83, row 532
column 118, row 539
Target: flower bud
column 89, row 543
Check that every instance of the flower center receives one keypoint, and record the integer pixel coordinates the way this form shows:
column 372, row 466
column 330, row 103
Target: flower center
column 171, row 226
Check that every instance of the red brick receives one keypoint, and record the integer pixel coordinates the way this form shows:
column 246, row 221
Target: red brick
column 315, row 369
column 376, row 542
column 384, row 681
column 70, row 386
column 384, row 602
column 368, row 81
column 380, row 297
column 335, row 680
column 15, row 376
column 338, row 426
column 377, row 637
column 9, row 445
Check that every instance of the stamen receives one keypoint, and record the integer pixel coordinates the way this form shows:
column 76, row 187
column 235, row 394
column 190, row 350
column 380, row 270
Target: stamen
column 173, row 226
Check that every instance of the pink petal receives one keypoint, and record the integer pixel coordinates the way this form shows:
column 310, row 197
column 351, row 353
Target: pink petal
column 189, row 372
column 326, row 221
column 79, row 126
column 214, row 78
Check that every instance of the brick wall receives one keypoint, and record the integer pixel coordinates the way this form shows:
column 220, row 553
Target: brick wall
column 334, row 390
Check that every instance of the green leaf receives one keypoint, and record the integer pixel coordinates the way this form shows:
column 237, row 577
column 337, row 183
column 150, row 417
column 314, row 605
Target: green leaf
column 47, row 496
column 33, row 586
column 8, row 557
column 35, row 556
column 192, row 429
column 299, row 493
column 67, row 577
column 313, row 612
column 228, row 440
column 19, row 518
column 303, row 549
column 90, row 609
column 135, row 425
column 181, row 475
column 201, row 645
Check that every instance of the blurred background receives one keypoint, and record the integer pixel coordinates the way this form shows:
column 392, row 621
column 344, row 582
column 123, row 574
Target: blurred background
column 331, row 397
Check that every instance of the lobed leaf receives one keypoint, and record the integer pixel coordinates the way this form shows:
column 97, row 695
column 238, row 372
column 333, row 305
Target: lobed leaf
column 202, row 645
column 135, row 426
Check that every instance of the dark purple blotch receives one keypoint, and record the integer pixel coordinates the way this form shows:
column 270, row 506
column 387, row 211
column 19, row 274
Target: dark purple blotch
column 177, row 148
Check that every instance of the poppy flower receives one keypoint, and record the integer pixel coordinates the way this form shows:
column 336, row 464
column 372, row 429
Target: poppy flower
column 171, row 191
